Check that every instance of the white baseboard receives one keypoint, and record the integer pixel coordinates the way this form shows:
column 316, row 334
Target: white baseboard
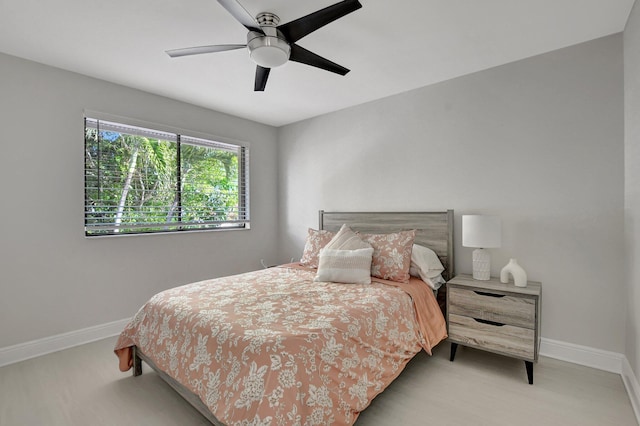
column 596, row 358
column 35, row 348
column 582, row 355
column 633, row 387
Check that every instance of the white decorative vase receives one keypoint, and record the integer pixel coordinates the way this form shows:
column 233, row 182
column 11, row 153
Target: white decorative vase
column 519, row 275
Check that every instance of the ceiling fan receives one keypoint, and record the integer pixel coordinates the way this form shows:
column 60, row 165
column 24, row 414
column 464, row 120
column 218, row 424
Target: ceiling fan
column 271, row 45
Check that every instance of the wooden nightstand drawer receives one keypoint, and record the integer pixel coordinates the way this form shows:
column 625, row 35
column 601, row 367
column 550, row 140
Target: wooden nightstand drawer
column 503, row 339
column 487, row 305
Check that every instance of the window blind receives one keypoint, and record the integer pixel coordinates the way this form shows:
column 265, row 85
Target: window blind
column 141, row 180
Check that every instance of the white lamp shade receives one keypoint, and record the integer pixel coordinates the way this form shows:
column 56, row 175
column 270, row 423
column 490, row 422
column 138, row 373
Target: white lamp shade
column 481, row 231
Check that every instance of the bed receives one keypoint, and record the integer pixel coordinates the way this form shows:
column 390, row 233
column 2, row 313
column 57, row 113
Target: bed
column 275, row 347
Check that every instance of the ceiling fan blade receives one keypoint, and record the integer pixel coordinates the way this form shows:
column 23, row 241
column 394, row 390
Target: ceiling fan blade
column 241, row 14
column 262, row 74
column 175, row 53
column 302, row 55
column 295, row 30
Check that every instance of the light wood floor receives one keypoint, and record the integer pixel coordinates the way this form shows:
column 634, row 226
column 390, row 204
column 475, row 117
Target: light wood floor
column 82, row 386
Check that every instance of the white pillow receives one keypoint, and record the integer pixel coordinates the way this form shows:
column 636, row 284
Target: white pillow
column 434, row 283
column 425, row 263
column 345, row 266
column 346, row 239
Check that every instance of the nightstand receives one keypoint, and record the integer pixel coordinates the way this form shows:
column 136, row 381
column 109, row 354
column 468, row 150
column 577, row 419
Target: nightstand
column 495, row 317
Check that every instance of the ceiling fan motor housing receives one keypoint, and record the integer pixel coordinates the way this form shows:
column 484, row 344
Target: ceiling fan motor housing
column 269, row 50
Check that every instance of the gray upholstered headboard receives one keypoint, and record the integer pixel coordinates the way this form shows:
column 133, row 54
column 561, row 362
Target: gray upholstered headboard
column 433, row 229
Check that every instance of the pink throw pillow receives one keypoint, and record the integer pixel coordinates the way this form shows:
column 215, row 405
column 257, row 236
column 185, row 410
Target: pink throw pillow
column 316, row 240
column 391, row 254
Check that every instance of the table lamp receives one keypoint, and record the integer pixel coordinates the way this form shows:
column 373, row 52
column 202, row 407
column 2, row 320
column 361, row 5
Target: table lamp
column 481, row 232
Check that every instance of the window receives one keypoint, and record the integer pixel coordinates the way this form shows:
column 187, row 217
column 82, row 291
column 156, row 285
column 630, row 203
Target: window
column 139, row 180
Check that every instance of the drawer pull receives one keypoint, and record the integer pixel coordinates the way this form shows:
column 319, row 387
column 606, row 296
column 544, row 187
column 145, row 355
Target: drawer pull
column 483, row 321
column 482, row 293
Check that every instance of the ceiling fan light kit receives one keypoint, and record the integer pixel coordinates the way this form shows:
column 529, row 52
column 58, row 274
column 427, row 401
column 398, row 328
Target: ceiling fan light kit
column 268, row 52
column 271, row 45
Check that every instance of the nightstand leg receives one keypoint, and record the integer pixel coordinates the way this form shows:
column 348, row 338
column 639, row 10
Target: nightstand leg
column 454, row 347
column 529, row 366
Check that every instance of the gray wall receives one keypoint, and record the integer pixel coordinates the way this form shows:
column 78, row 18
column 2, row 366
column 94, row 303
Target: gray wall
column 53, row 279
column 632, row 184
column 539, row 142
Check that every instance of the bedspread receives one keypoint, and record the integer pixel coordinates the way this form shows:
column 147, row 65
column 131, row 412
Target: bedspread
column 272, row 347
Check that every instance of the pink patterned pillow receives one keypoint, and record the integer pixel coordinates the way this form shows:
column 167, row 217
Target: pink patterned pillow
column 391, row 254
column 316, row 240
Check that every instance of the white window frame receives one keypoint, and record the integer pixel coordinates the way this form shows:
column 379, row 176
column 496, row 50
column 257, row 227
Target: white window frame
column 93, row 119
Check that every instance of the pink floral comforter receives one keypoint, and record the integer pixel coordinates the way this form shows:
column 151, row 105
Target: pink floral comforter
column 272, row 347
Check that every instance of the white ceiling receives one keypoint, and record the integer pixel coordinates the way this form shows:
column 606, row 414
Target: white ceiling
column 390, row 46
